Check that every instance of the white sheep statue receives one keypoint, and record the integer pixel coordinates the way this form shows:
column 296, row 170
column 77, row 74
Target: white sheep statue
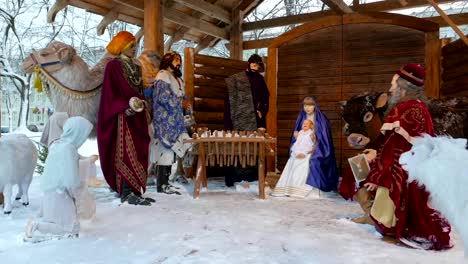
column 19, row 158
column 441, row 165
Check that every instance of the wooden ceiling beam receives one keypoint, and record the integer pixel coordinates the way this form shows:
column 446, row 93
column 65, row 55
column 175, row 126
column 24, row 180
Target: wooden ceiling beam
column 208, row 41
column 338, row 6
column 183, row 19
column 108, row 19
column 459, row 19
column 57, row 7
column 208, row 9
column 303, row 18
column 449, row 21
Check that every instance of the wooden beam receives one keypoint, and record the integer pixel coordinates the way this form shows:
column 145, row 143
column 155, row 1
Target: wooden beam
column 58, row 6
column 432, row 61
column 208, row 9
column 236, row 35
column 338, row 6
column 302, row 18
column 109, row 18
column 183, row 19
column 459, row 19
column 246, row 6
column 189, row 75
column 449, row 21
column 139, row 34
column 208, row 41
column 154, row 27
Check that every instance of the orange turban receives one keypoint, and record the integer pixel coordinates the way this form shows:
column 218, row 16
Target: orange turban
column 120, row 42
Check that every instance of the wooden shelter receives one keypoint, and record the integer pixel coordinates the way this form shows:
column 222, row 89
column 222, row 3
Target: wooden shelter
column 336, row 53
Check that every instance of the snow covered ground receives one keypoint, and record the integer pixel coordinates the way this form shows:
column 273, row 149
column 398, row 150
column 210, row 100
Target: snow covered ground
column 222, row 226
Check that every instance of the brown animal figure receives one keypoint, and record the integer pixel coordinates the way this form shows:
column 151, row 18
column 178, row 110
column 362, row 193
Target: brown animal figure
column 364, row 115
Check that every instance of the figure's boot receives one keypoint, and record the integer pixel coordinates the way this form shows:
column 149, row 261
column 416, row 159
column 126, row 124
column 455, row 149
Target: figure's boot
column 163, row 185
column 364, row 199
column 129, row 197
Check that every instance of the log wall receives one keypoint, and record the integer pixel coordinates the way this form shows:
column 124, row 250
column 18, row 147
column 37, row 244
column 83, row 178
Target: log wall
column 335, row 63
column 206, row 87
column 454, row 69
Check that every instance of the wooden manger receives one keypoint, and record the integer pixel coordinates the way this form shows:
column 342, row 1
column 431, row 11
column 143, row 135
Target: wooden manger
column 231, row 148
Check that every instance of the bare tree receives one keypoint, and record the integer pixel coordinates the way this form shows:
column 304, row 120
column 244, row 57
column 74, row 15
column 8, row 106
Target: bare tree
column 13, row 47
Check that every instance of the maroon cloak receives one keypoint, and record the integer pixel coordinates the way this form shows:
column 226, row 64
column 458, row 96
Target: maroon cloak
column 123, row 141
column 415, row 220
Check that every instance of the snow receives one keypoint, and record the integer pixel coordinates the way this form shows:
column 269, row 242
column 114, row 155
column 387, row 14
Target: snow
column 225, row 225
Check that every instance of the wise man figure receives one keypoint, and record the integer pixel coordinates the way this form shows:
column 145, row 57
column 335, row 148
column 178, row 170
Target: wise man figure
column 122, row 128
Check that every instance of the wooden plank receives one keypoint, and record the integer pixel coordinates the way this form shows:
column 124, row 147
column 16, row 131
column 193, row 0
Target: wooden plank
column 189, row 65
column 204, row 82
column 449, row 21
column 210, row 92
column 208, row 9
column 453, row 47
column 256, row 44
column 338, row 6
column 453, row 60
column 209, row 117
column 194, row 23
column 455, row 73
column 272, row 84
column 107, row 19
column 320, row 23
column 458, row 19
column 153, row 26
column 378, row 6
column 215, row 71
column 236, row 36
column 392, row 19
column 208, row 105
column 58, row 6
column 432, row 82
column 209, row 60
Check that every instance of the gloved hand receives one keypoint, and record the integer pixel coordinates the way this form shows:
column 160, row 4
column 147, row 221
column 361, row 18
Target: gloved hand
column 129, row 112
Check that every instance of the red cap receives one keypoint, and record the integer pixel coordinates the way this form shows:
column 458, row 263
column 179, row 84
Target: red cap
column 413, row 73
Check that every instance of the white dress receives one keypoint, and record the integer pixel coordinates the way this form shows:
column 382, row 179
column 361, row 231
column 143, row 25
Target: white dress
column 293, row 179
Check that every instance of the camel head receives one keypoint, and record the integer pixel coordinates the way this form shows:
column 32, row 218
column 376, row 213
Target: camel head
column 52, row 58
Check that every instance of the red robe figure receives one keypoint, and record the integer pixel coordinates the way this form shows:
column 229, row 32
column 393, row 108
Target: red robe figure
column 401, row 208
column 122, row 129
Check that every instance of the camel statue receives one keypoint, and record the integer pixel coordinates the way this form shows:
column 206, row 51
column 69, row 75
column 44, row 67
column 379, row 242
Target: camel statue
column 70, row 85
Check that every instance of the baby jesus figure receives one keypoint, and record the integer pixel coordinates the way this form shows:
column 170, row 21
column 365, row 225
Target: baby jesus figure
column 293, row 179
column 305, row 140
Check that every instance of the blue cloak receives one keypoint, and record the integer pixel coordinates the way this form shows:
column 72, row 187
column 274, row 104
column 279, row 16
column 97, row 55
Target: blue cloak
column 322, row 164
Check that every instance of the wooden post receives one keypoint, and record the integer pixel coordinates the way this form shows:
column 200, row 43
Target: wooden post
column 432, row 83
column 200, row 174
column 189, row 75
column 271, row 122
column 153, row 26
column 235, row 45
column 261, row 171
column 449, row 21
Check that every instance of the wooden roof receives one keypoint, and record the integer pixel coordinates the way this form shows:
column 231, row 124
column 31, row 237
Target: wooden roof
column 192, row 20
column 207, row 21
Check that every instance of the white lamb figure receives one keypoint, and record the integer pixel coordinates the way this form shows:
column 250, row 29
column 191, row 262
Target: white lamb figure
column 17, row 163
column 441, row 165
